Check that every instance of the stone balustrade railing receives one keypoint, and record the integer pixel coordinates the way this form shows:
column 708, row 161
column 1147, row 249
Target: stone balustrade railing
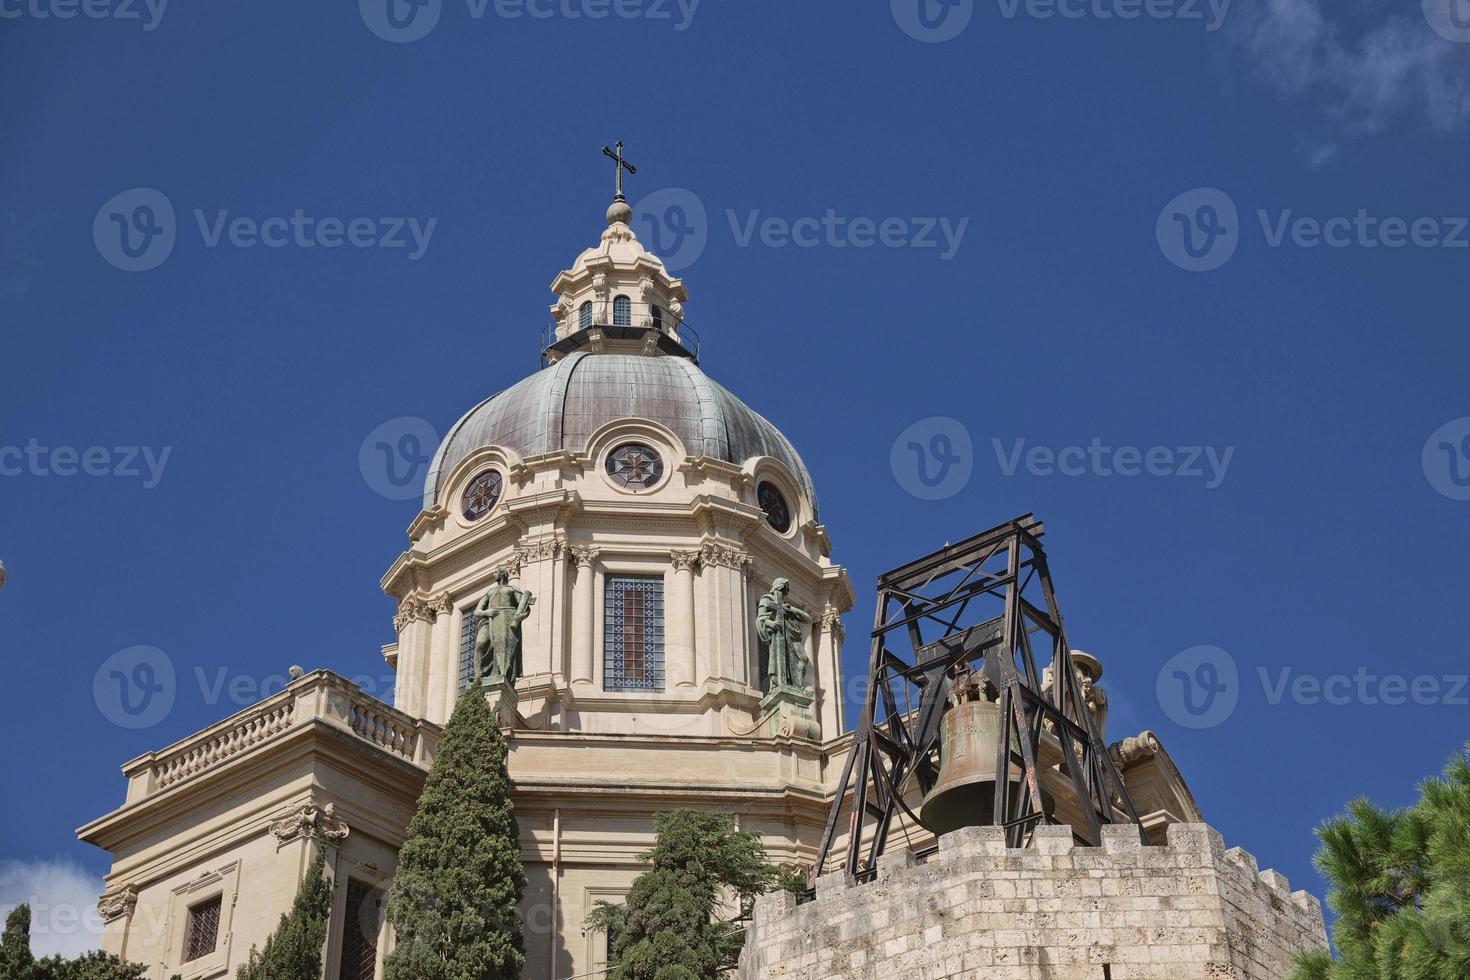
column 319, row 697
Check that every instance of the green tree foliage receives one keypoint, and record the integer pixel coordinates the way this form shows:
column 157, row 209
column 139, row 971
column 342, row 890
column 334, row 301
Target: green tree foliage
column 670, row 928
column 17, row 963
column 454, row 901
column 294, row 951
column 1400, row 887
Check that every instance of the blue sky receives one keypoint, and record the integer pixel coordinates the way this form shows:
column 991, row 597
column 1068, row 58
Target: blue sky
column 1058, row 231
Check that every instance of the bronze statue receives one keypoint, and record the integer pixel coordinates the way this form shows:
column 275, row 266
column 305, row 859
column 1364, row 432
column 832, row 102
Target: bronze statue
column 498, row 642
column 778, row 623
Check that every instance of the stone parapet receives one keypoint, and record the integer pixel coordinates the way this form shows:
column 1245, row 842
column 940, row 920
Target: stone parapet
column 1052, row 911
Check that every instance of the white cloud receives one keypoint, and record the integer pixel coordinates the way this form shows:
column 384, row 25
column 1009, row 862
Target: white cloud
column 63, row 900
column 1352, row 80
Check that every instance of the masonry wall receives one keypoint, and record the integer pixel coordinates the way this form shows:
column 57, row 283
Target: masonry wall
column 979, row 911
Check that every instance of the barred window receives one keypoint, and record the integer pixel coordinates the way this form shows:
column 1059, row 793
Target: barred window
column 467, row 625
column 202, row 932
column 633, row 639
column 622, row 311
column 359, row 933
column 584, row 315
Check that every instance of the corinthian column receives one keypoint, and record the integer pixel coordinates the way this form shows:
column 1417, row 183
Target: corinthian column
column 413, row 624
column 680, row 667
column 826, row 665
column 443, row 661
column 584, row 613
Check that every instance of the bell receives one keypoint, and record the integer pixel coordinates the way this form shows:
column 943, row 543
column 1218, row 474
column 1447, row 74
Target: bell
column 964, row 795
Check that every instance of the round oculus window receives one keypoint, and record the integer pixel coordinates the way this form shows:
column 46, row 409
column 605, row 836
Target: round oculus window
column 635, row 466
column 481, row 495
column 773, row 502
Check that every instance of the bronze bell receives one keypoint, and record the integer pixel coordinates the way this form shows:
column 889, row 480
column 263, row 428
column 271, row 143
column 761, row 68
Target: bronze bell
column 964, row 795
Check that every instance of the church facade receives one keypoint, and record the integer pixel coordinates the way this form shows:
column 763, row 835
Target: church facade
column 662, row 557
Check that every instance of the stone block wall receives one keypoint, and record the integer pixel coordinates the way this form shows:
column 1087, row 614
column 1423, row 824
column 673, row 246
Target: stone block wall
column 976, row 910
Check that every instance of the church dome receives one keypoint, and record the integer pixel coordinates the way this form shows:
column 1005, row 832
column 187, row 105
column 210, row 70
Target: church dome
column 561, row 406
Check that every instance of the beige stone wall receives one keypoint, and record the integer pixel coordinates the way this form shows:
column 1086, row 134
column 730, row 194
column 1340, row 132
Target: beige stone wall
column 1053, row 911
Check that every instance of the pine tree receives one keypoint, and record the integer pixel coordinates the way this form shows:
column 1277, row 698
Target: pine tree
column 1400, row 887
column 669, row 928
column 294, row 951
column 454, row 901
column 16, row 962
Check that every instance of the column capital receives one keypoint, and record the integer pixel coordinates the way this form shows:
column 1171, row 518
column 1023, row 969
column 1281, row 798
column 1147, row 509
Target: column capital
column 411, row 608
column 442, row 604
column 832, row 623
column 684, row 561
column 585, row 556
column 726, row 557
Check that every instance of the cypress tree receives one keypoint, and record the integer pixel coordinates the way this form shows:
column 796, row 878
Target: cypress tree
column 1400, row 885
column 16, row 962
column 669, row 928
column 294, row 950
column 454, row 901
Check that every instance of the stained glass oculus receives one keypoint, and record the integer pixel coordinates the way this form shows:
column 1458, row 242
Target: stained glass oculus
column 633, row 633
column 773, row 502
column 635, row 466
column 482, row 494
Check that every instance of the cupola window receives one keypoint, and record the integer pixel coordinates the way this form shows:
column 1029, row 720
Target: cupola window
column 635, row 466
column 482, row 494
column 633, row 641
column 773, row 503
column 622, row 311
column 584, row 315
column 658, row 318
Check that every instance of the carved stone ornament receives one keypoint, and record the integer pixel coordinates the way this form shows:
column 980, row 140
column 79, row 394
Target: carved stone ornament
column 410, row 608
column 832, row 623
column 684, row 561
column 117, row 902
column 309, row 820
column 540, row 551
column 719, row 555
column 585, row 557
column 1144, row 745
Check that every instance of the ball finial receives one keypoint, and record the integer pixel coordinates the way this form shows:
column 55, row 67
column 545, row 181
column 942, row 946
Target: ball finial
column 619, row 211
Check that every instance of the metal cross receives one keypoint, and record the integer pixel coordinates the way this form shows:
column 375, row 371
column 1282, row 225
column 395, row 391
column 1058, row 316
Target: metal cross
column 621, row 165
